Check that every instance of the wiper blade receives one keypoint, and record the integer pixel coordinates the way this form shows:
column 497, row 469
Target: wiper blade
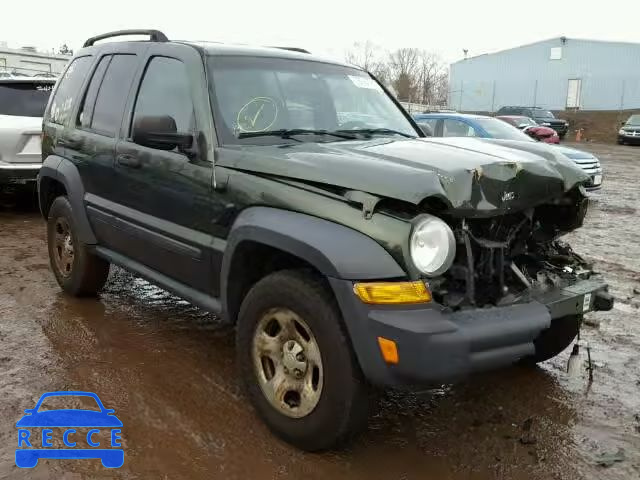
column 373, row 131
column 288, row 133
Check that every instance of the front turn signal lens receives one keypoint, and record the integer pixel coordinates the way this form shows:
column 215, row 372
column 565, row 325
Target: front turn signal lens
column 392, row 293
column 389, row 350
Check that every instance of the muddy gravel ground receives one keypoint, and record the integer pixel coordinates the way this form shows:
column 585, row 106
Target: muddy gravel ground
column 168, row 370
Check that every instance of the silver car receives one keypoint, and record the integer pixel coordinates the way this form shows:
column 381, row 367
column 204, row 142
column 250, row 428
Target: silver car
column 22, row 104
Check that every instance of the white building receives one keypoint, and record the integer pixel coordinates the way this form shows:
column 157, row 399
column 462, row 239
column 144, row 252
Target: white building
column 555, row 74
column 28, row 61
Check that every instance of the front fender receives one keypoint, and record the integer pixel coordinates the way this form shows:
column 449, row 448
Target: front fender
column 334, row 250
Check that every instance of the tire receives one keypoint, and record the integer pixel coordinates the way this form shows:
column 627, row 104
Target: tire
column 556, row 338
column 341, row 411
column 79, row 273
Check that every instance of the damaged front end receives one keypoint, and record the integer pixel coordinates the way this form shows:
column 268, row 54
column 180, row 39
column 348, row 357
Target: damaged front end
column 516, row 257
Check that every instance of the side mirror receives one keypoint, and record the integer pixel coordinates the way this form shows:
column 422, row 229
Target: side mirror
column 30, row 410
column 161, row 133
column 109, row 411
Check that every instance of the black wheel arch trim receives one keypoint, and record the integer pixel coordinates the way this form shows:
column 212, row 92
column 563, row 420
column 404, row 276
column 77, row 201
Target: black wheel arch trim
column 65, row 172
column 334, row 250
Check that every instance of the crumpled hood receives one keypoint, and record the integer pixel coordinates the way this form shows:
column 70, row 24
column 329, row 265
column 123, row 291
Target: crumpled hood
column 477, row 177
column 573, row 153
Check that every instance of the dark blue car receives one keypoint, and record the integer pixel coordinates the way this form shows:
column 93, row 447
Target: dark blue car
column 481, row 126
column 28, row 456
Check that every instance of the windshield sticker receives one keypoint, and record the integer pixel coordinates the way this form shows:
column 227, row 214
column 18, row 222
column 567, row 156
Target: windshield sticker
column 257, row 115
column 363, row 82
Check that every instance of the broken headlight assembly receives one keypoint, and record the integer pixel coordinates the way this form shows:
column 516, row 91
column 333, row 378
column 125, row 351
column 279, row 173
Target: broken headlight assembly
column 432, row 245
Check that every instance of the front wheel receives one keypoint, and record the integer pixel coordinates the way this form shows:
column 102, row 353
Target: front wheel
column 556, row 338
column 297, row 364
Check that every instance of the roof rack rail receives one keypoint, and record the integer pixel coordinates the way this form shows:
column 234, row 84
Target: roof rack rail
column 154, row 36
column 294, row 49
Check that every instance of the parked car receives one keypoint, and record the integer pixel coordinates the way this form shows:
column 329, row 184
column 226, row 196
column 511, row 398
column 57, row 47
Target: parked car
column 465, row 125
column 531, row 128
column 630, row 131
column 22, row 103
column 345, row 254
column 542, row 116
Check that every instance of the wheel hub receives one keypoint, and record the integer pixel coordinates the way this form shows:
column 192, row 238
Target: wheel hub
column 287, row 362
column 68, row 245
column 293, row 359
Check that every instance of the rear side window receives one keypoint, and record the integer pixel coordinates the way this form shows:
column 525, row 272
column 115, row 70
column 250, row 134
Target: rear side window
column 24, row 99
column 165, row 91
column 86, row 112
column 68, row 90
column 112, row 94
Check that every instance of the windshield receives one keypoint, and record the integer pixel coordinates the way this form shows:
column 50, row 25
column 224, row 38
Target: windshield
column 634, row 120
column 502, row 130
column 543, row 114
column 24, row 99
column 255, row 96
column 525, row 122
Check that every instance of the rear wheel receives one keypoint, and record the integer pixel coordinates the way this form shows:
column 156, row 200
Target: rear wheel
column 77, row 270
column 297, row 364
column 556, row 338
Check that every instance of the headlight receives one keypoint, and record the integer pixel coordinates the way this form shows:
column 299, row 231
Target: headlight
column 545, row 124
column 621, row 132
column 432, row 246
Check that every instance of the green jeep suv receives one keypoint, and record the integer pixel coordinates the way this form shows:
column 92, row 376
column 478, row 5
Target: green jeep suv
column 294, row 197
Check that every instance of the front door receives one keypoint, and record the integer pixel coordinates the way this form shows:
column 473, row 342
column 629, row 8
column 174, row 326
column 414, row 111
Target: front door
column 163, row 208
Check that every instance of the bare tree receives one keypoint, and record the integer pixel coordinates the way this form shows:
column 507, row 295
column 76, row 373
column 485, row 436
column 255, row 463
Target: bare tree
column 368, row 56
column 363, row 55
column 404, row 66
column 414, row 75
column 431, row 74
column 65, row 50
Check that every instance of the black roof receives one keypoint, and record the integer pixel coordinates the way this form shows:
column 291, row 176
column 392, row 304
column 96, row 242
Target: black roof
column 217, row 48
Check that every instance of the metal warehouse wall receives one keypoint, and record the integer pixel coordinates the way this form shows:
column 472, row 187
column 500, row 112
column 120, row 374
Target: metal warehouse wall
column 609, row 73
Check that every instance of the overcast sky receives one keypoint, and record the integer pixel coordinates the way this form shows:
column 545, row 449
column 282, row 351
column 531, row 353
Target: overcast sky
column 328, row 27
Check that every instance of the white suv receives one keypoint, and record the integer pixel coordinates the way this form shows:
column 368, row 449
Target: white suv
column 22, row 103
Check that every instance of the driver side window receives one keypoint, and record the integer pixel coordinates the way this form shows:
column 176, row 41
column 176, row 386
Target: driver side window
column 457, row 128
column 165, row 92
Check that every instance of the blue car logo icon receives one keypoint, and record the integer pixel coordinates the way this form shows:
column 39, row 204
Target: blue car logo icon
column 28, row 452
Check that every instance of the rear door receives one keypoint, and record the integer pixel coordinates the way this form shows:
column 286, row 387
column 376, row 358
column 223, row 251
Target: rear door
column 164, row 206
column 91, row 142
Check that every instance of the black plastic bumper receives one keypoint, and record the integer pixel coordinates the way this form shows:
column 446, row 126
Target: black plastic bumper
column 18, row 175
column 435, row 346
column 629, row 140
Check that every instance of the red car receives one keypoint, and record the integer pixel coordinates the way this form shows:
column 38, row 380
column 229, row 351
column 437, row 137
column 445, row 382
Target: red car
column 531, row 128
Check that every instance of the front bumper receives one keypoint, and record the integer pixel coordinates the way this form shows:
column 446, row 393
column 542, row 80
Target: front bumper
column 435, row 345
column 18, row 173
column 630, row 139
column 561, row 129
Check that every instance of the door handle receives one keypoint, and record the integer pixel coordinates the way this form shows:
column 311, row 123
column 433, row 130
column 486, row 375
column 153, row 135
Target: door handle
column 127, row 160
column 70, row 143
